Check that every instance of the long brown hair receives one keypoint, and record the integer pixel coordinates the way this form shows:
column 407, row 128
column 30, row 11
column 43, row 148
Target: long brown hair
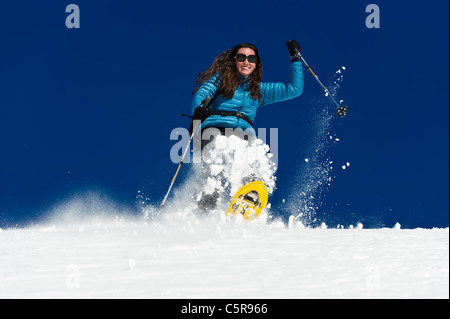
column 225, row 64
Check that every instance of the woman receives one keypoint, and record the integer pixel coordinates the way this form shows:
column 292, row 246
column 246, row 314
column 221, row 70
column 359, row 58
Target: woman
column 233, row 83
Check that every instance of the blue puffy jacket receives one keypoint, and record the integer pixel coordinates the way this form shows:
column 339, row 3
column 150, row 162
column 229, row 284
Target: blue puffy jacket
column 243, row 102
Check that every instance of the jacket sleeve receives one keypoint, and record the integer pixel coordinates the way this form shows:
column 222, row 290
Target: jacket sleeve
column 278, row 92
column 208, row 88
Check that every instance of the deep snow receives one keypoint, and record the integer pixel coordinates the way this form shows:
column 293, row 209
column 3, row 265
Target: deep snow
column 181, row 255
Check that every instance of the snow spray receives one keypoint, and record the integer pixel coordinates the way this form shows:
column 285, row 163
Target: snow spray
column 314, row 175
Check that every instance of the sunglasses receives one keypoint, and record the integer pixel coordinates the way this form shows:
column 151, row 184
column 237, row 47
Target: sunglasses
column 242, row 57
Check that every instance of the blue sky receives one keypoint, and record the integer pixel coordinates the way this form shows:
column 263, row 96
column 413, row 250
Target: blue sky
column 92, row 108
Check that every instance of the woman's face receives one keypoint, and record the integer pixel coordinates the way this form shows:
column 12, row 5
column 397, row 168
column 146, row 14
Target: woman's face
column 245, row 68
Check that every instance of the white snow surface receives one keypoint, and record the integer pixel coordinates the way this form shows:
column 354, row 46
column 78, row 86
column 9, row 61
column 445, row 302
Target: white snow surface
column 182, row 255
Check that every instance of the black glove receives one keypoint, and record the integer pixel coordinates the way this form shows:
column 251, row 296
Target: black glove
column 294, row 50
column 201, row 113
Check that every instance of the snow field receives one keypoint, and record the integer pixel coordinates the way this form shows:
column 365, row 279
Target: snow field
column 185, row 256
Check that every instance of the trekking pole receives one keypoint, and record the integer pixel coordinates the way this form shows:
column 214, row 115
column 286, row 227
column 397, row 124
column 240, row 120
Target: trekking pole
column 342, row 110
column 194, row 130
